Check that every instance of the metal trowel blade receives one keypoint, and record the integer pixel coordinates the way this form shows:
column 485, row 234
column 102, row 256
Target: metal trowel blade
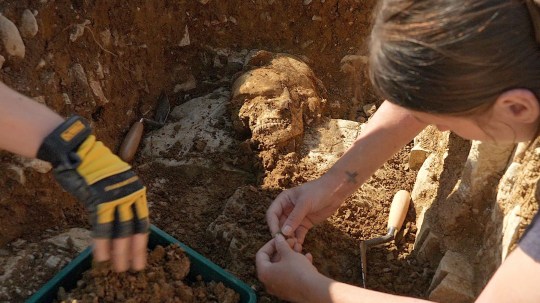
column 163, row 108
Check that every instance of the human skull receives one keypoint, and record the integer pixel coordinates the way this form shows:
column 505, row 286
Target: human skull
column 276, row 99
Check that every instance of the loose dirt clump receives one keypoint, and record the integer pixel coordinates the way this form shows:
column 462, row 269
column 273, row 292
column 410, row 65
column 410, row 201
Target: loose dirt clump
column 164, row 280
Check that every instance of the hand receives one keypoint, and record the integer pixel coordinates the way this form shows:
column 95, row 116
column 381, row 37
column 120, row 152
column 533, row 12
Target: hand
column 297, row 210
column 110, row 190
column 279, row 267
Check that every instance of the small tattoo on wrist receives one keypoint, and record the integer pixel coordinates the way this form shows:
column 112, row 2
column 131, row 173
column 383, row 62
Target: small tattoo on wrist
column 351, row 177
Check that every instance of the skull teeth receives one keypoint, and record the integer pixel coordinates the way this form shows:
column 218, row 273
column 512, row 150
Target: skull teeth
column 270, row 125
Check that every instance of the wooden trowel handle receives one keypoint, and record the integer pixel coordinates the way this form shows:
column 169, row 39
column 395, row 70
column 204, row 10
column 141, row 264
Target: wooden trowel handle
column 398, row 209
column 131, row 142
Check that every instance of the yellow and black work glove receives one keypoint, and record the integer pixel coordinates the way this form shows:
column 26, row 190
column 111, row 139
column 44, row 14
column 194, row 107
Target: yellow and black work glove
column 110, row 190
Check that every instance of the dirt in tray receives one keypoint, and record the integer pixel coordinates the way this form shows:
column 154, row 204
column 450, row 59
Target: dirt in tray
column 164, row 280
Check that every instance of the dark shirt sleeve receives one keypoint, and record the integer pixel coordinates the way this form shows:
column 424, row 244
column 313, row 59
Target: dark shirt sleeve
column 530, row 242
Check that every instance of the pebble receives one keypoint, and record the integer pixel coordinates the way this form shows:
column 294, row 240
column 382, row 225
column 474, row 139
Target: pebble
column 79, row 74
column 29, row 26
column 189, row 84
column 37, row 165
column 11, row 38
column 307, row 2
column 66, row 99
column 16, row 173
column 185, row 39
column 78, row 31
column 2, row 60
column 53, row 261
column 19, row 243
column 106, row 37
column 369, row 109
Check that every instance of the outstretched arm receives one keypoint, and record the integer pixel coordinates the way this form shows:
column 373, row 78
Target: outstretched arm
column 391, row 128
column 24, row 122
column 83, row 166
column 296, row 210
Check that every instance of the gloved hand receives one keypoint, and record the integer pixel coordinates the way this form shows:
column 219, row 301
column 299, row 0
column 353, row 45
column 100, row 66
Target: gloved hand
column 110, row 190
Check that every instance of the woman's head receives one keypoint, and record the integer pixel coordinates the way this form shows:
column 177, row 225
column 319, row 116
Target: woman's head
column 453, row 57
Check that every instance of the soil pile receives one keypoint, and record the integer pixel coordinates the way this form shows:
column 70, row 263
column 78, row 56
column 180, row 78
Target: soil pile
column 164, row 280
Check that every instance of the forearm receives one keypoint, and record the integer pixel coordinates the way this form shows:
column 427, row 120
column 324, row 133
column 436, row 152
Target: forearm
column 24, row 122
column 386, row 133
column 319, row 288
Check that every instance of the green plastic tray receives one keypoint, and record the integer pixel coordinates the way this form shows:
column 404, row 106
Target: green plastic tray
column 209, row 271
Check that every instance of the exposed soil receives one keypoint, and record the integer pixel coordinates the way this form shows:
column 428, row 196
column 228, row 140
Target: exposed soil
column 132, row 50
column 164, row 280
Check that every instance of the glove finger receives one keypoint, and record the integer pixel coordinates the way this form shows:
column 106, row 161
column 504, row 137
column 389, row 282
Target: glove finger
column 102, row 221
column 139, row 243
column 121, row 254
column 141, row 223
column 122, row 228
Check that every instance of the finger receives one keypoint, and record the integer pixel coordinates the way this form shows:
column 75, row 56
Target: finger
column 282, row 220
column 282, row 246
column 139, row 243
column 293, row 221
column 273, row 214
column 121, row 254
column 300, row 233
column 297, row 247
column 309, row 256
column 293, row 243
column 262, row 258
column 102, row 249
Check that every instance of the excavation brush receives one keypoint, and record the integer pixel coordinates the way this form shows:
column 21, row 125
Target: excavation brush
column 398, row 211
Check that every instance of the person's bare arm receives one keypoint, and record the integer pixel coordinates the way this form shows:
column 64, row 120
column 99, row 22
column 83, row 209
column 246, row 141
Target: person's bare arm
column 391, row 128
column 324, row 289
column 24, row 126
column 24, row 122
column 296, row 210
column 515, row 281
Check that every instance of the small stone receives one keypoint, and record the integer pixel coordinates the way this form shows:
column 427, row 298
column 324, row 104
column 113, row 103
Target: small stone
column 105, row 37
column 316, row 18
column 78, row 30
column 41, row 64
column 53, row 261
column 66, row 99
column 204, row 1
column 80, row 75
column 29, row 26
column 307, row 2
column 19, row 243
column 369, row 109
column 40, row 166
column 60, row 241
column 417, row 157
column 98, row 91
column 11, row 38
column 99, row 71
column 189, row 84
column 185, row 39
column 16, row 173
column 79, row 239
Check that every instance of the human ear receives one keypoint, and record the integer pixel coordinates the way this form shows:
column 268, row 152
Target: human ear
column 517, row 105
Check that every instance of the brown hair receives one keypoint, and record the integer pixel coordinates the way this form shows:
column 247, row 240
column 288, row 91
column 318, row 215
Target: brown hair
column 452, row 57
